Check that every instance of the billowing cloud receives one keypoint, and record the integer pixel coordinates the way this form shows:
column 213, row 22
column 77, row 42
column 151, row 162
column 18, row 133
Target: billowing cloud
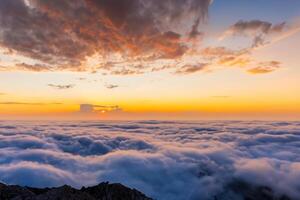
column 63, row 35
column 61, row 87
column 164, row 159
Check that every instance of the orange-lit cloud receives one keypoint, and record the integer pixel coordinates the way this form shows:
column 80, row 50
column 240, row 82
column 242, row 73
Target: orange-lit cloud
column 265, row 67
column 124, row 37
column 133, row 29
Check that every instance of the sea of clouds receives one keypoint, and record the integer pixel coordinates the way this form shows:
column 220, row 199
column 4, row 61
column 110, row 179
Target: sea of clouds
column 163, row 159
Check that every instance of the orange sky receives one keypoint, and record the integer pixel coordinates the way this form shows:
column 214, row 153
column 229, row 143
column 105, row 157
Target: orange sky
column 201, row 65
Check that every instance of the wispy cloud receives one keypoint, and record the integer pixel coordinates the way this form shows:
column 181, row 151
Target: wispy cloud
column 34, row 67
column 189, row 69
column 61, row 87
column 254, row 27
column 265, row 67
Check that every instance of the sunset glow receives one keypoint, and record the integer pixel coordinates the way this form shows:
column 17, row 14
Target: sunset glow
column 150, row 99
column 209, row 58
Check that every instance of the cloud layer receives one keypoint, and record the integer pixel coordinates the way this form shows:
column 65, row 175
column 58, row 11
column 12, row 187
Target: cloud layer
column 165, row 160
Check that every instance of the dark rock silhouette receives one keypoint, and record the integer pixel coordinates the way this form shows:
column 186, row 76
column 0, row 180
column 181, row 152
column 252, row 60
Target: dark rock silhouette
column 103, row 191
column 236, row 190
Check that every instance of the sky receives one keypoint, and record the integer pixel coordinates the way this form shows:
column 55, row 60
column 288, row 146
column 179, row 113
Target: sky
column 138, row 59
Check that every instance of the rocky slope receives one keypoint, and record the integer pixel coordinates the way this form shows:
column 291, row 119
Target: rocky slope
column 103, row 191
column 237, row 190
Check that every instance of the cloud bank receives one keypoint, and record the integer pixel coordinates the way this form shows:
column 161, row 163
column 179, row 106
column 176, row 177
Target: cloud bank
column 165, row 160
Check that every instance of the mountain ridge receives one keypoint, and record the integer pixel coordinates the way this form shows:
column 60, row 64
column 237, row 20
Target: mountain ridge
column 102, row 191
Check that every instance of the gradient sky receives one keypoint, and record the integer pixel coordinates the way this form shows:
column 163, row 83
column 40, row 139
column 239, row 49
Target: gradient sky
column 189, row 59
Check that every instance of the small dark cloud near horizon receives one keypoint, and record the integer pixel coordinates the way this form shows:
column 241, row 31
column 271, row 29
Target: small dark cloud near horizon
column 91, row 108
column 61, row 87
column 111, row 86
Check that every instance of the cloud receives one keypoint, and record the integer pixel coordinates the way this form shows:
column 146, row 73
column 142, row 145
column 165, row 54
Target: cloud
column 90, row 108
column 61, row 87
column 265, row 67
column 35, row 67
column 164, row 159
column 261, row 32
column 60, row 35
column 189, row 69
column 226, row 57
column 238, row 58
column 111, row 86
column 255, row 27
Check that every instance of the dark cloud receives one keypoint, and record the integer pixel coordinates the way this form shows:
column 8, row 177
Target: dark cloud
column 195, row 33
column 62, row 34
column 111, row 86
column 258, row 41
column 265, row 67
column 164, row 159
column 189, row 69
column 35, row 67
column 61, row 87
column 257, row 29
column 90, row 108
column 256, row 26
